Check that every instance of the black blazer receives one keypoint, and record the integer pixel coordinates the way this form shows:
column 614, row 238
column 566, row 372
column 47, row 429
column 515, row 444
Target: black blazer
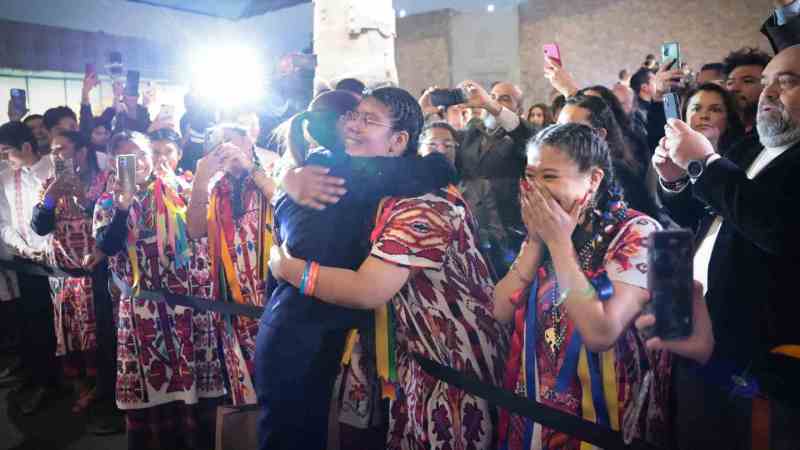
column 781, row 37
column 754, row 274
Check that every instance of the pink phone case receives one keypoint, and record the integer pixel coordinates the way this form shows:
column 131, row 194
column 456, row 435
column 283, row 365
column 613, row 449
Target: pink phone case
column 552, row 51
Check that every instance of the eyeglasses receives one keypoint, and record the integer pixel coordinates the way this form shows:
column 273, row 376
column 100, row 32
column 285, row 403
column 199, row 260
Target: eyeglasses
column 363, row 119
column 447, row 145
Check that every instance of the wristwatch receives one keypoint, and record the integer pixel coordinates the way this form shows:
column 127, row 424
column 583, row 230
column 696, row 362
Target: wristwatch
column 696, row 168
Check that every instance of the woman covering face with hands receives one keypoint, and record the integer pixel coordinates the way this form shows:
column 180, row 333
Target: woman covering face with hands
column 573, row 294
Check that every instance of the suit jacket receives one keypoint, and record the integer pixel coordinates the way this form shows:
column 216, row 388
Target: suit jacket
column 781, row 37
column 753, row 290
column 498, row 156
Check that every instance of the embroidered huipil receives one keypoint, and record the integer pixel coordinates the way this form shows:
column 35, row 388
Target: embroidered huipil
column 158, row 354
column 444, row 312
column 599, row 387
column 239, row 237
column 70, row 222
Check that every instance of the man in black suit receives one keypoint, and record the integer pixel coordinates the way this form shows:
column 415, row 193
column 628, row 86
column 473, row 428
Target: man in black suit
column 783, row 27
column 748, row 257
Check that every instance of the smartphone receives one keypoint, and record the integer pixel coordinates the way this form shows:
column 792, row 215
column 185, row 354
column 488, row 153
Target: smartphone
column 448, row 97
column 670, row 281
column 672, row 106
column 552, row 51
column 126, row 172
column 671, row 54
column 132, row 84
column 19, row 100
column 115, row 67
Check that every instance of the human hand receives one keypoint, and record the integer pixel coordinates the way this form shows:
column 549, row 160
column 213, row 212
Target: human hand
column 559, row 78
column 666, row 80
column 666, row 168
column 685, row 144
column 425, row 102
column 280, row 262
column 551, row 221
column 122, row 198
column 312, row 186
column 528, row 211
column 90, row 81
column 478, row 97
column 13, row 114
column 699, row 345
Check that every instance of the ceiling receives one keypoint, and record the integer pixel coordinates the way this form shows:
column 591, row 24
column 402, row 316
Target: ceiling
column 227, row 9
column 241, row 9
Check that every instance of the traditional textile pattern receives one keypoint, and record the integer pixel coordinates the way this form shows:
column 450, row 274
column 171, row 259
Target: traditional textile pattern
column 600, row 387
column 445, row 313
column 240, row 236
column 157, row 353
column 73, row 302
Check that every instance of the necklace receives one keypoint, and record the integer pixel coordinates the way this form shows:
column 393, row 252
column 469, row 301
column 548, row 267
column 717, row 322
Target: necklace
column 555, row 335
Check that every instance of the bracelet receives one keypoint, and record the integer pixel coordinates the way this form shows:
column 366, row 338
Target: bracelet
column 674, row 186
column 313, row 277
column 308, row 282
column 304, row 279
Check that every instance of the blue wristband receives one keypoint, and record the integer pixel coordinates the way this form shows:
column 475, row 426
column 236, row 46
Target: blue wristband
column 49, row 202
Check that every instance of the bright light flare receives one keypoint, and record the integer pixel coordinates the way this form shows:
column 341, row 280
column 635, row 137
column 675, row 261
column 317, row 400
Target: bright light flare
column 228, row 76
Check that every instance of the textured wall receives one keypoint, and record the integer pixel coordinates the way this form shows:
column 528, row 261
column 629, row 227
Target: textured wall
column 601, row 37
column 423, row 51
column 597, row 38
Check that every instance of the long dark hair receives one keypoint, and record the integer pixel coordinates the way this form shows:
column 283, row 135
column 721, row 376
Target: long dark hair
column 406, row 114
column 319, row 121
column 735, row 129
column 600, row 116
column 546, row 112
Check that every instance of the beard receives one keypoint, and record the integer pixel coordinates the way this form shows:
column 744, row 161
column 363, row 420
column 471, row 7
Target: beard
column 776, row 127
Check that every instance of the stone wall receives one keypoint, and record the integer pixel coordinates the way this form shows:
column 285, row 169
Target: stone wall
column 597, row 38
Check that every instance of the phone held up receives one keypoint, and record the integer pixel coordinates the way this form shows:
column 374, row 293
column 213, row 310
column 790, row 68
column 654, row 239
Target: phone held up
column 553, row 52
column 19, row 100
column 671, row 55
column 126, row 172
column 448, row 97
column 670, row 281
column 672, row 106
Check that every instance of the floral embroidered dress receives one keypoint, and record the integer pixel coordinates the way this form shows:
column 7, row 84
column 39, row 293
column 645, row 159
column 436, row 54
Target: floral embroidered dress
column 239, row 239
column 159, row 356
column 444, row 313
column 554, row 367
column 73, row 303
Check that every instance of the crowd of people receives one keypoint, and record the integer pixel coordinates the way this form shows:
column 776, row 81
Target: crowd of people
column 373, row 227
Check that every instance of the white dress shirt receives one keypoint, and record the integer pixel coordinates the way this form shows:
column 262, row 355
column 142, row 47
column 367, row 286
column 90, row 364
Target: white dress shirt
column 21, row 190
column 702, row 257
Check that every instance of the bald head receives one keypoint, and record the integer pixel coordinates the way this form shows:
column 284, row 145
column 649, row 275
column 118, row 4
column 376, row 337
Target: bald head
column 508, row 95
column 625, row 96
column 778, row 119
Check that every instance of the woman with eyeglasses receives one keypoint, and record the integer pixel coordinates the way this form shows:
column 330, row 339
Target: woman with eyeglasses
column 440, row 137
column 423, row 274
column 295, row 391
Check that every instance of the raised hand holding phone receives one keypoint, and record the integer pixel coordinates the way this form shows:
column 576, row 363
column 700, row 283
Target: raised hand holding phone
column 554, row 71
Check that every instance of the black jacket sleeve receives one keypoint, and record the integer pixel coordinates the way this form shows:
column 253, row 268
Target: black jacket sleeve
column 783, row 36
column 43, row 221
column 759, row 209
column 111, row 239
column 656, row 119
column 375, row 178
